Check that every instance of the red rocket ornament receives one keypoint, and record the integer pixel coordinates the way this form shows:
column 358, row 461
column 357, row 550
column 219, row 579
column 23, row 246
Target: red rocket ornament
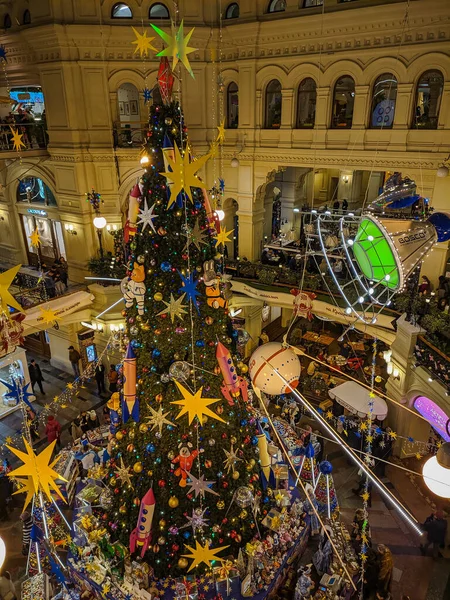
column 142, row 535
column 233, row 385
column 133, row 211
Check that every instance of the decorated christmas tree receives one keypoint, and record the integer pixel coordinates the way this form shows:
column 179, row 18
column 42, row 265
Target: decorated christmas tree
column 184, row 470
column 327, row 501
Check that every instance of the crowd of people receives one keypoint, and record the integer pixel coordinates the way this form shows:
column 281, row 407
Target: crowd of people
column 32, row 129
column 56, row 277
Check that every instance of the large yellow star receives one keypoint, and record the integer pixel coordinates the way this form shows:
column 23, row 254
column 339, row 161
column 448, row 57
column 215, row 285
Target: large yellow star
column 177, row 46
column 35, row 238
column 222, row 236
column 38, row 468
column 202, row 554
column 143, row 43
column 48, row 315
column 221, row 135
column 195, row 405
column 6, row 279
column 28, row 487
column 16, row 139
column 183, row 174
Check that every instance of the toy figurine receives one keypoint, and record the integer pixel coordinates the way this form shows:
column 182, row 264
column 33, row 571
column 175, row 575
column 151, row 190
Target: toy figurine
column 133, row 287
column 185, row 459
column 211, row 281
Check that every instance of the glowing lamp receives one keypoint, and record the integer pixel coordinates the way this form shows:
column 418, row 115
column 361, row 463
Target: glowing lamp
column 442, row 171
column 145, row 161
column 2, row 552
column 436, row 472
column 99, row 222
column 220, row 214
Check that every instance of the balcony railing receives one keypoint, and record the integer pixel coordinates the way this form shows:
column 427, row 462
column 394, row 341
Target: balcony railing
column 432, row 359
column 34, row 135
column 129, row 135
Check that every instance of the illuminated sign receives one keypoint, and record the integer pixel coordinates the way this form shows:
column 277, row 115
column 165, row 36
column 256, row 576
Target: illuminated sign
column 435, row 416
column 37, row 211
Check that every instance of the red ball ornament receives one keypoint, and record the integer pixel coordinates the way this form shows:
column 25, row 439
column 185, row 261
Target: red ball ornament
column 224, row 521
column 163, row 316
column 208, row 464
column 225, row 484
column 116, row 490
column 224, row 436
column 175, row 547
column 161, row 483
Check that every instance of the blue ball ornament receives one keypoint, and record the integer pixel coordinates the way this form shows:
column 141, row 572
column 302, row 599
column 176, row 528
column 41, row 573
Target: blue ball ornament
column 266, row 499
column 197, row 204
column 325, row 467
column 158, row 460
column 244, row 422
column 254, row 440
column 156, row 353
column 150, row 447
column 166, row 266
column 153, row 369
column 134, row 344
column 186, row 535
column 200, row 344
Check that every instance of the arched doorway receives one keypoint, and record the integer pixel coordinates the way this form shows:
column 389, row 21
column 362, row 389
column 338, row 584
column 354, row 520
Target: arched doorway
column 129, row 130
column 231, row 221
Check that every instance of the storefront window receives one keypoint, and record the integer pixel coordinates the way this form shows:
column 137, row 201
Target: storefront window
column 273, row 105
column 383, row 101
column 51, row 238
column 428, row 100
column 306, row 104
column 34, row 191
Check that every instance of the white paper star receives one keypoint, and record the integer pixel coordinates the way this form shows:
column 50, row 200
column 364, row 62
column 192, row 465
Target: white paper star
column 200, row 486
column 197, row 521
column 175, row 308
column 146, row 216
column 231, row 458
column 158, row 419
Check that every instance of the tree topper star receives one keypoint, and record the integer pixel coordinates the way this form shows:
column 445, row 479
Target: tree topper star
column 202, row 554
column 158, row 419
column 143, row 43
column 183, row 175
column 146, row 216
column 200, row 486
column 17, row 139
column 48, row 315
column 35, row 238
column 175, row 308
column 177, row 46
column 194, row 405
column 123, row 473
column 222, row 236
column 6, row 279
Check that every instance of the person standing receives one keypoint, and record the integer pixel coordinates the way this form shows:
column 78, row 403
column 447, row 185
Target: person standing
column 27, row 524
column 436, row 527
column 35, row 375
column 83, row 419
column 113, row 377
column 53, row 431
column 93, row 420
column 32, row 424
column 344, row 205
column 100, row 377
column 385, row 573
column 74, row 357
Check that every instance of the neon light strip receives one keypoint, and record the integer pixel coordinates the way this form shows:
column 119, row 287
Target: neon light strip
column 109, row 308
column 103, row 278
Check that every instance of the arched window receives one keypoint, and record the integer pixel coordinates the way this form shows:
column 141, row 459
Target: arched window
column 158, row 11
column 121, row 11
column 306, row 104
column 428, row 100
column 273, row 105
column 343, row 102
column 232, row 11
column 276, row 6
column 232, row 106
column 384, row 96
column 26, row 19
column 7, row 22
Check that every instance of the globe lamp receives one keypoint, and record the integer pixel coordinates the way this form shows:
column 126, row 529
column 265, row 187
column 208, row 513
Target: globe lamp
column 235, row 162
column 436, row 472
column 220, row 214
column 99, row 222
column 442, row 171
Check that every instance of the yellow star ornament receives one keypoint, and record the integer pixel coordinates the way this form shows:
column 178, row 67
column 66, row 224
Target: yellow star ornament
column 183, row 175
column 28, row 487
column 48, row 315
column 17, row 139
column 195, row 405
column 6, row 298
column 222, row 236
column 177, row 46
column 202, row 554
column 143, row 43
column 221, row 135
column 35, row 238
column 38, row 469
column 365, row 496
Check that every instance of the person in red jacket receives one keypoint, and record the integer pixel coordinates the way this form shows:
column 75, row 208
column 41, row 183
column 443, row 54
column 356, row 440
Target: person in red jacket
column 53, row 431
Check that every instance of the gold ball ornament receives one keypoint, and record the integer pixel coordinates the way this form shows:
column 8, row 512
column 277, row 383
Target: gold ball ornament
column 137, row 467
column 173, row 502
column 150, row 473
column 244, row 369
column 217, row 370
column 220, row 504
column 119, row 435
column 137, row 502
column 219, row 409
column 235, row 475
column 161, row 540
column 143, row 428
column 233, row 439
column 155, row 548
column 162, row 523
column 123, row 509
column 183, row 563
column 171, row 455
column 131, row 434
column 204, row 419
column 158, row 297
column 243, row 514
column 112, row 482
column 130, row 447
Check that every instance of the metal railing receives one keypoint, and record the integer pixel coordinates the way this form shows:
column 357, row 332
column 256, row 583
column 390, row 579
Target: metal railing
column 129, row 135
column 34, row 135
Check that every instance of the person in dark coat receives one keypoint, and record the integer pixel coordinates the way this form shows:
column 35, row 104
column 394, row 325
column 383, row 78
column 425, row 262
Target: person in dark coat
column 35, row 375
column 100, row 377
column 33, row 424
column 436, row 527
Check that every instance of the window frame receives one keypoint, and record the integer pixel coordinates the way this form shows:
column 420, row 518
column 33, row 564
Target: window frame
column 26, row 14
column 272, row 3
column 266, row 104
column 372, row 98
column 155, row 4
column 297, row 124
column 229, row 93
column 7, row 23
column 116, row 5
column 414, row 121
column 318, row 3
column 334, row 125
column 232, row 5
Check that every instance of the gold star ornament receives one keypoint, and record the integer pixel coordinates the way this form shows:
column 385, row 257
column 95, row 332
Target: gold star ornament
column 177, row 46
column 222, row 236
column 174, row 308
column 143, row 43
column 123, row 473
column 221, row 135
column 194, row 405
column 48, row 315
column 35, row 238
column 6, row 298
column 38, row 468
column 202, row 554
column 158, row 419
column 183, row 175
column 17, row 139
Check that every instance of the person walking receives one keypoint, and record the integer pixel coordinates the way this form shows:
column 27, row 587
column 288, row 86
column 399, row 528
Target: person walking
column 74, row 357
column 113, row 377
column 35, row 375
column 100, row 377
column 436, row 527
column 53, row 431
column 27, row 524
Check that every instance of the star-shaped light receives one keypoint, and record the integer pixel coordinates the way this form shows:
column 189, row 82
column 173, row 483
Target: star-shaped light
column 393, row 435
column 200, row 486
column 177, row 46
column 143, row 43
column 418, row 456
column 17, row 139
column 231, row 458
column 329, row 414
column 194, row 405
column 69, row 386
column 6, row 279
column 202, row 554
column 365, row 496
column 221, row 135
column 48, row 315
column 175, row 308
column 183, row 174
column 123, row 473
column 158, row 419
column 363, row 426
column 189, row 287
column 27, row 486
column 147, row 94
column 369, row 438
column 222, row 236
column 35, row 238
column 146, row 216
column 196, row 236
column 8, row 439
column 197, row 521
column 38, row 468
column 18, row 391
column 222, row 184
column 3, row 52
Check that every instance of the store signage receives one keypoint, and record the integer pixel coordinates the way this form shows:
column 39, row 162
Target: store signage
column 37, row 211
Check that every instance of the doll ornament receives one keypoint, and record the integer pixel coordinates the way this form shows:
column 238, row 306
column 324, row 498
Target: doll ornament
column 185, row 460
column 133, row 287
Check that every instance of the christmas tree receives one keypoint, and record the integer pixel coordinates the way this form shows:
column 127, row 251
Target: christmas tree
column 325, row 491
column 184, row 469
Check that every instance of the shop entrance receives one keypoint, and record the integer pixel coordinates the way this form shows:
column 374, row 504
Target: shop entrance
column 51, row 237
column 37, row 344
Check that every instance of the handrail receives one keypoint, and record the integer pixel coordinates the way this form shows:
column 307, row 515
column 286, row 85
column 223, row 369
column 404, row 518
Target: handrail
column 34, row 135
